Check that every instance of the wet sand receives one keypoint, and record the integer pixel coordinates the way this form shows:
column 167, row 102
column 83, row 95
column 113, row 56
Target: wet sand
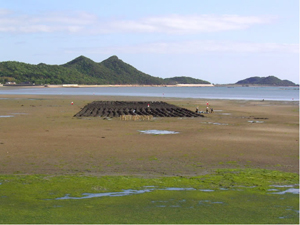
column 41, row 136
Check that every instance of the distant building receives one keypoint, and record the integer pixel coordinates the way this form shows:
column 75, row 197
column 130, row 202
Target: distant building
column 26, row 83
column 70, row 85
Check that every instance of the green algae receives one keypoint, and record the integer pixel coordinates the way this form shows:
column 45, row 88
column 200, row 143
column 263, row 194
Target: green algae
column 234, row 196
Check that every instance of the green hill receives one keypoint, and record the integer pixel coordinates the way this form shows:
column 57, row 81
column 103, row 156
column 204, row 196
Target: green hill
column 41, row 74
column 127, row 74
column 83, row 70
column 270, row 81
column 94, row 70
column 185, row 80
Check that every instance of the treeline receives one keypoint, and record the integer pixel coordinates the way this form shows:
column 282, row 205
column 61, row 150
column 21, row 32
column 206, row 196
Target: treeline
column 40, row 74
column 185, row 80
column 83, row 70
column 270, row 81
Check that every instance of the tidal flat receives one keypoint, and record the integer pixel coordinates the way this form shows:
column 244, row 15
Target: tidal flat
column 215, row 169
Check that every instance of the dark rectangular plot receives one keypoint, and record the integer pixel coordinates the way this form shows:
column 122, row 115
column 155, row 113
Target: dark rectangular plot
column 155, row 108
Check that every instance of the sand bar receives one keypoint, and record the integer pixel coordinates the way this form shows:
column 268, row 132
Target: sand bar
column 42, row 136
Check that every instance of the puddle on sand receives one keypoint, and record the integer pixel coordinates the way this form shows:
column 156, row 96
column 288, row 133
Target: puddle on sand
column 283, row 185
column 13, row 115
column 177, row 189
column 158, row 132
column 215, row 123
column 123, row 193
column 110, row 194
column 252, row 121
column 206, row 190
column 291, row 189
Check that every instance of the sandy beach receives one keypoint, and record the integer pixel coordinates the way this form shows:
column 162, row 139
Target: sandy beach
column 129, row 85
column 104, row 85
column 39, row 135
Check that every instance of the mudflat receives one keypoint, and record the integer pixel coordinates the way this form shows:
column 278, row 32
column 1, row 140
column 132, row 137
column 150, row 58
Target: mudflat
column 40, row 135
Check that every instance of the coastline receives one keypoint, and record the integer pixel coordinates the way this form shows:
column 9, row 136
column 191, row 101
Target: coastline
column 136, row 85
column 102, row 85
column 174, row 91
column 126, row 85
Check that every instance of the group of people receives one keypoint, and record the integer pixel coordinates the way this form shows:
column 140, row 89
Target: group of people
column 211, row 110
column 208, row 109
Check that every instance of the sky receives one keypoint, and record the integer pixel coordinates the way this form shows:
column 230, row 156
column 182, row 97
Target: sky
column 220, row 41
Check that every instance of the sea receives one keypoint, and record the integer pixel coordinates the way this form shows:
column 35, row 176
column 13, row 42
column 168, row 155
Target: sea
column 216, row 92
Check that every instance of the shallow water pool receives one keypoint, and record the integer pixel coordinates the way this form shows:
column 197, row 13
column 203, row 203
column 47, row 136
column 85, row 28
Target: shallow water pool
column 158, row 132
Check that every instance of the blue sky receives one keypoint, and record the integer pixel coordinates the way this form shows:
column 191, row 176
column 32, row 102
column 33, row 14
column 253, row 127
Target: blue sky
column 220, row 41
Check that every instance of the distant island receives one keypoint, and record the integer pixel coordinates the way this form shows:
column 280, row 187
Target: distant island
column 268, row 81
column 83, row 70
column 112, row 71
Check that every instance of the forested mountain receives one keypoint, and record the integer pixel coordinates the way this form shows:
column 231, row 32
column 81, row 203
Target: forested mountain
column 81, row 70
column 270, row 81
column 88, row 67
column 39, row 74
column 185, row 80
column 127, row 74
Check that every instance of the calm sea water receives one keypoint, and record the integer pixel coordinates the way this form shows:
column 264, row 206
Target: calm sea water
column 243, row 93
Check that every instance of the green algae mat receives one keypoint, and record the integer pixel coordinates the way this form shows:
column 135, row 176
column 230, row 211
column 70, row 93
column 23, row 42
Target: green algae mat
column 226, row 196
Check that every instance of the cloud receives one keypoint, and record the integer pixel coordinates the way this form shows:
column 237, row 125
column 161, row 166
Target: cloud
column 177, row 24
column 87, row 23
column 50, row 22
column 4, row 12
column 192, row 47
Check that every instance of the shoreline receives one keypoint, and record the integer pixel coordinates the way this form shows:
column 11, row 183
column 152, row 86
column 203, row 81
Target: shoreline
column 191, row 91
column 105, row 85
column 137, row 85
column 127, row 85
